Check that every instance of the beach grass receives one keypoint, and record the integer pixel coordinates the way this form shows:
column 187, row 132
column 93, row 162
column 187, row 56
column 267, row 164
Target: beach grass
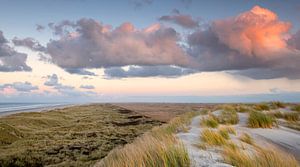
column 159, row 147
column 228, row 116
column 258, row 119
column 72, row 136
column 210, row 121
column 260, row 158
column 212, row 137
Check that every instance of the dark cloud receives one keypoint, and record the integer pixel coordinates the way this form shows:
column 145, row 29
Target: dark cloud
column 140, row 3
column 29, row 43
column 94, row 45
column 186, row 21
column 39, row 27
column 87, row 87
column 20, row 86
column 147, row 71
column 10, row 59
column 80, row 71
column 52, row 80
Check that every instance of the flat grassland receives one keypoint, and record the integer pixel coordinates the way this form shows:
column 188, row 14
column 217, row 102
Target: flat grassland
column 71, row 136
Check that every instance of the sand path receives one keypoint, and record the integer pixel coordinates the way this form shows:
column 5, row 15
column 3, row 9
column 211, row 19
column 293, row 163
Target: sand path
column 200, row 157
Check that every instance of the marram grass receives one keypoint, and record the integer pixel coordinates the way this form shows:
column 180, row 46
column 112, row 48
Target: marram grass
column 259, row 158
column 258, row 119
column 158, row 148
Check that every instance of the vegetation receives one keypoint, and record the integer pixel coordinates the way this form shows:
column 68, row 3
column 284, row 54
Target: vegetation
column 242, row 108
column 228, row 116
column 260, row 120
column 210, row 121
column 296, row 108
column 246, row 138
column 260, row 158
column 228, row 129
column 213, row 138
column 73, row 136
column 157, row 148
column 289, row 116
column 262, row 107
column 277, row 104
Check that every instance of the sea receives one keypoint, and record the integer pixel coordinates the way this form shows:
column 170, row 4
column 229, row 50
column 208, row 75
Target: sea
column 6, row 108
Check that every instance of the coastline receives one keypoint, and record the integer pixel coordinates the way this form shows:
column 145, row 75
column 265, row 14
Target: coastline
column 38, row 109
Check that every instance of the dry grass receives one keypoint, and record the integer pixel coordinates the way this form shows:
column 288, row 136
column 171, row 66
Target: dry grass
column 289, row 116
column 149, row 151
column 157, row 148
column 296, row 108
column 277, row 104
column 228, row 116
column 260, row 120
column 260, row 158
column 212, row 138
column 210, row 121
column 228, row 129
column 246, row 138
column 262, row 107
column 73, row 136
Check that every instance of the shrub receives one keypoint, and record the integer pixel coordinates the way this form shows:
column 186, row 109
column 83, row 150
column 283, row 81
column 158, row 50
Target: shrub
column 212, row 137
column 228, row 117
column 260, row 120
column 210, row 121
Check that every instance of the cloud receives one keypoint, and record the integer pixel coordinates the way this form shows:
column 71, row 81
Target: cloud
column 140, row 3
column 79, row 71
column 94, row 45
column 186, row 21
column 147, row 71
column 10, row 59
column 20, row 86
column 255, row 43
column 39, row 27
column 87, row 87
column 251, row 43
column 29, row 43
column 52, row 80
column 66, row 90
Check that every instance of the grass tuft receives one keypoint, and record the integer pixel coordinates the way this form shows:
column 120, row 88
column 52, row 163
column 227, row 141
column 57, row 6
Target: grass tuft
column 210, row 121
column 260, row 120
column 213, row 138
column 296, row 108
column 228, row 116
column 261, row 158
column 262, row 107
column 246, row 138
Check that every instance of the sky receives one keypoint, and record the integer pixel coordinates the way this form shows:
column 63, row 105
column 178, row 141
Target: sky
column 149, row 51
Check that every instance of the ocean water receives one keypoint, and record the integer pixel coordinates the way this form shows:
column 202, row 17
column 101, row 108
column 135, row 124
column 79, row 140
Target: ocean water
column 19, row 107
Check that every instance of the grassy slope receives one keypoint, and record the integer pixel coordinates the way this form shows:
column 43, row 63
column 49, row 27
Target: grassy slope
column 72, row 136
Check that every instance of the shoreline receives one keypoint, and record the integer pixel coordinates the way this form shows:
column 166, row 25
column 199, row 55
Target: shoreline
column 39, row 109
